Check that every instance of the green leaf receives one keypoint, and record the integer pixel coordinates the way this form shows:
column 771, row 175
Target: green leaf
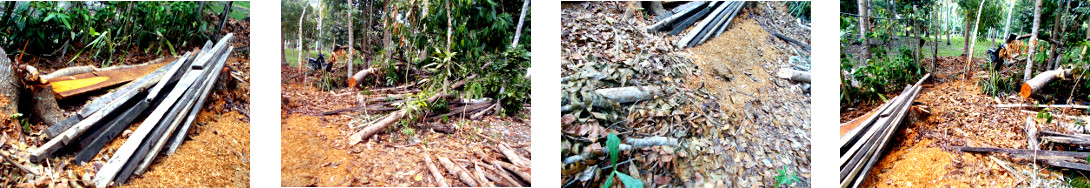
column 614, row 144
column 609, row 179
column 629, row 181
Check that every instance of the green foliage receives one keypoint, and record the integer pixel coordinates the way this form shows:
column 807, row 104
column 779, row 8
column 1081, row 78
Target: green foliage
column 786, row 177
column 799, row 9
column 613, row 143
column 328, row 82
column 997, row 84
column 1044, row 116
column 105, row 28
column 882, row 74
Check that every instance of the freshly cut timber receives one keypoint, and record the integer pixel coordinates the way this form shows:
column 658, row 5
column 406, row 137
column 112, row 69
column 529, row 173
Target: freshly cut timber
column 692, row 19
column 1034, row 85
column 68, row 86
column 181, row 133
column 121, row 164
column 860, row 150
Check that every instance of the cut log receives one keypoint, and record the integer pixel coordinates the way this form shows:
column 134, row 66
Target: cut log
column 523, row 173
column 1069, row 165
column 1034, row 85
column 1064, row 140
column 630, row 93
column 442, row 182
column 481, row 178
column 478, row 115
column 45, row 109
column 794, row 75
column 512, row 156
column 652, row 141
column 359, row 76
column 454, row 169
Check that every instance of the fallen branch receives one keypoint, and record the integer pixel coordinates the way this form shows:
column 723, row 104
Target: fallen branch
column 454, row 169
column 24, row 168
column 396, row 116
column 434, row 171
column 512, row 156
column 1031, row 133
column 523, row 173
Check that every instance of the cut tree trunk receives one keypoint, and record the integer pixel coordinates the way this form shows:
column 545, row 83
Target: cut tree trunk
column 1034, row 85
column 359, row 76
column 45, row 109
column 10, row 86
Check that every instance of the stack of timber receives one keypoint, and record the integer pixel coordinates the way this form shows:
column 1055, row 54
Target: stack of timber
column 1035, row 138
column 174, row 94
column 715, row 17
column 863, row 140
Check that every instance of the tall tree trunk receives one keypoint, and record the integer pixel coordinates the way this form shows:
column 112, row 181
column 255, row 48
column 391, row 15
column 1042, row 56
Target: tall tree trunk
column 223, row 17
column 283, row 44
column 300, row 42
column 946, row 23
column 1033, row 39
column 351, row 41
column 1058, row 33
column 321, row 15
column 1007, row 27
column 965, row 33
column 976, row 26
column 863, row 18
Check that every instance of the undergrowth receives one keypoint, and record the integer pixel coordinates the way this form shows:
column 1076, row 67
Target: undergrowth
column 881, row 74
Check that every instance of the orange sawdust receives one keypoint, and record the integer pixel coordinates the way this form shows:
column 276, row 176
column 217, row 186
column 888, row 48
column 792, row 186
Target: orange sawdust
column 732, row 63
column 917, row 165
column 218, row 155
column 306, row 150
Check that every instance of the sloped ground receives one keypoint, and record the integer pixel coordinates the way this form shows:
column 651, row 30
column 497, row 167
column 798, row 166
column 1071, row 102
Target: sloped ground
column 315, row 149
column 748, row 123
column 216, row 154
column 923, row 152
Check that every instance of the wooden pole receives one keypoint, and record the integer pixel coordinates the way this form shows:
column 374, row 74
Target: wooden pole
column 972, row 43
column 442, row 182
column 454, row 169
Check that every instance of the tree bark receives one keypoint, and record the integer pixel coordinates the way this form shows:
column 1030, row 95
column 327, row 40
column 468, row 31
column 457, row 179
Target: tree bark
column 45, row 109
column 526, row 5
column 10, row 86
column 1033, row 40
column 863, row 18
column 630, row 93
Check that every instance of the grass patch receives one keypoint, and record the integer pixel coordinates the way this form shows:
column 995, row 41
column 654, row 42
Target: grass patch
column 956, row 44
column 292, row 55
column 217, row 8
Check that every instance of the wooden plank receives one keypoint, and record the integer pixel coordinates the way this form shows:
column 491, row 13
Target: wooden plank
column 100, row 102
column 694, row 34
column 717, row 21
column 190, row 101
column 684, row 24
column 851, row 173
column 110, row 132
column 112, row 169
column 1069, row 165
column 682, row 13
column 152, row 144
column 181, row 133
column 69, row 86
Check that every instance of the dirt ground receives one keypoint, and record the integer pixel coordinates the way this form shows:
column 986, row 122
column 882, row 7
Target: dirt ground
column 923, row 151
column 216, row 153
column 770, row 117
column 315, row 149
